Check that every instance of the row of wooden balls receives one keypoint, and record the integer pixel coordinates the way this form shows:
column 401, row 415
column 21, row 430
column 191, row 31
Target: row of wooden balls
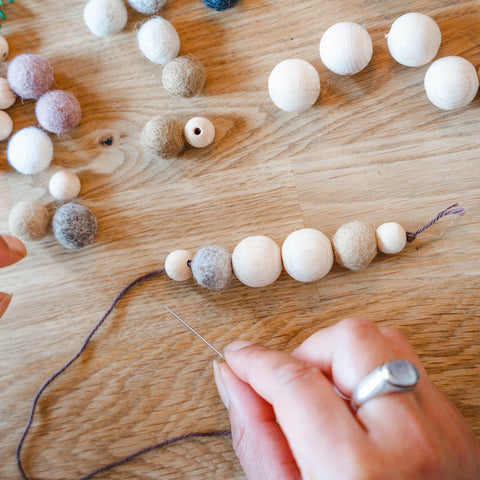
column 307, row 256
column 346, row 48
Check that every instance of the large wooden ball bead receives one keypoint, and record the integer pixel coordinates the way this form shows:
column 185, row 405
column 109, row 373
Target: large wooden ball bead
column 414, row 39
column 294, row 85
column 451, row 82
column 257, row 261
column 7, row 95
column 177, row 265
column 346, row 48
column 307, row 255
column 4, row 48
column 391, row 237
column 6, row 125
column 355, row 245
column 212, row 267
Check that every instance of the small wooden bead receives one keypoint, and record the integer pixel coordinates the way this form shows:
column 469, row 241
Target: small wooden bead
column 6, row 125
column 7, row 95
column 64, row 185
column 294, row 85
column 177, row 265
column 346, row 48
column 355, row 245
column 199, row 132
column 257, row 261
column 391, row 237
column 4, row 48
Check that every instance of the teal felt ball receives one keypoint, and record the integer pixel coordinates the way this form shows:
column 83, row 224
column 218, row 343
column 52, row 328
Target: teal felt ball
column 220, row 4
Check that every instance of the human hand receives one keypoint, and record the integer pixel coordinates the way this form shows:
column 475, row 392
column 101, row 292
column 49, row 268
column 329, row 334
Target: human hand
column 289, row 423
column 12, row 251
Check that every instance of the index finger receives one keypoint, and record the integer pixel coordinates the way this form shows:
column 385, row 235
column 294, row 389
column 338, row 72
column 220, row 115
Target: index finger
column 12, row 250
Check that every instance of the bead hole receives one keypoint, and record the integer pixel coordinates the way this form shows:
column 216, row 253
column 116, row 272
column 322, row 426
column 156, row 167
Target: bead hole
column 197, row 131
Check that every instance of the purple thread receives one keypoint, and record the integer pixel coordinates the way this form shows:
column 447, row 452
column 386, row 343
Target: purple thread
column 72, row 360
column 451, row 210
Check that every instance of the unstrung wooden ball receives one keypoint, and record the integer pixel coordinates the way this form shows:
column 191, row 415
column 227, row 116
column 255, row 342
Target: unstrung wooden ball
column 6, row 125
column 158, row 40
column 29, row 221
column 64, row 185
column 346, row 48
column 294, row 85
column 105, row 17
column 257, row 261
column 391, row 237
column 184, row 76
column 199, row 132
column 451, row 82
column 162, row 137
column 7, row 95
column 307, row 255
column 177, row 265
column 4, row 48
column 355, row 245
column 212, row 267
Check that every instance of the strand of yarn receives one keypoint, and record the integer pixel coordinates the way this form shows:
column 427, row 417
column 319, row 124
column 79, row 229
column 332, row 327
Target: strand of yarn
column 451, row 210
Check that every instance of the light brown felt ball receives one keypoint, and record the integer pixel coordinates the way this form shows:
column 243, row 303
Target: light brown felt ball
column 355, row 245
column 184, row 76
column 162, row 138
column 29, row 221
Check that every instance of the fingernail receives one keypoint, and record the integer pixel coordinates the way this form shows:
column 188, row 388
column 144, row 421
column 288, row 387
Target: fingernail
column 234, row 346
column 5, row 299
column 222, row 391
column 15, row 245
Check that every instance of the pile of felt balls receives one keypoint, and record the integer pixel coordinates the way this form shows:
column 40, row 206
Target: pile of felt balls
column 346, row 48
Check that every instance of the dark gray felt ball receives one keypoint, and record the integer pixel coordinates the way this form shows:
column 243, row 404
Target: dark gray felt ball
column 74, row 226
column 212, row 267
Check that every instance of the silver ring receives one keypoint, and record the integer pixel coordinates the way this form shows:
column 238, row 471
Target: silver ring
column 395, row 376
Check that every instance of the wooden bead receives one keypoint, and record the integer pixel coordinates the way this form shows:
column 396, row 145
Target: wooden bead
column 257, row 261
column 451, row 82
column 6, row 125
column 346, row 48
column 294, row 85
column 414, row 39
column 7, row 95
column 307, row 255
column 391, row 237
column 199, row 132
column 355, row 245
column 177, row 265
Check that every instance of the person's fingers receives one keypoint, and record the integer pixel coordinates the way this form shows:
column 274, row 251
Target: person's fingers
column 5, row 300
column 257, row 438
column 12, row 250
column 315, row 421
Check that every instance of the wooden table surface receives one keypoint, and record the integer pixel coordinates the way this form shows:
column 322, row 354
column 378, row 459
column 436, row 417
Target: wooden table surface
column 373, row 148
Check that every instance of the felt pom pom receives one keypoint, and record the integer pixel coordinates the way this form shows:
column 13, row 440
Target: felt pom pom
column 30, row 151
column 158, row 40
column 184, row 76
column 162, row 137
column 58, row 111
column 220, row 4
column 4, row 48
column 29, row 221
column 148, row 7
column 212, row 267
column 74, row 226
column 6, row 125
column 29, row 76
column 391, row 237
column 105, row 17
column 355, row 245
column 7, row 95
column 64, row 185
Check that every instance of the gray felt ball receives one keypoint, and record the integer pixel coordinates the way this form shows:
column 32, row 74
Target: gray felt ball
column 212, row 267
column 74, row 226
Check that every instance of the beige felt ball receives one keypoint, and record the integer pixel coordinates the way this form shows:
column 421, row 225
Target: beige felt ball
column 257, row 261
column 7, row 95
column 29, row 221
column 6, row 125
column 307, row 255
column 177, row 265
column 64, row 185
column 4, row 48
column 355, row 245
column 346, row 48
column 391, row 237
column 184, row 76
column 162, row 137
column 199, row 132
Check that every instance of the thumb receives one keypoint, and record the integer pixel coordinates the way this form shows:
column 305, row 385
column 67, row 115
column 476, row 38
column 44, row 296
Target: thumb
column 12, row 250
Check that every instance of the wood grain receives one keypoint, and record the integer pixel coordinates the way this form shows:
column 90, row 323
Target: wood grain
column 373, row 148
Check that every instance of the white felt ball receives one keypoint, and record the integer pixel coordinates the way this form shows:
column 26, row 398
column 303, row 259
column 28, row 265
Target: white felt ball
column 451, row 82
column 148, row 7
column 294, row 85
column 30, row 150
column 158, row 40
column 307, row 255
column 105, row 17
column 64, row 185
column 391, row 237
column 7, row 95
column 257, row 261
column 4, row 48
column 414, row 39
column 6, row 125
column 346, row 48
column 199, row 132
column 177, row 265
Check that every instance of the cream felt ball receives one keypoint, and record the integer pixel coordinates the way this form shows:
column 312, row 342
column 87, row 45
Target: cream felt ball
column 29, row 76
column 4, row 48
column 391, row 237
column 105, row 17
column 58, row 111
column 451, row 82
column 30, row 150
column 294, row 85
column 64, row 185
column 414, row 39
column 148, row 7
column 162, row 137
column 184, row 76
column 7, row 95
column 346, row 48
column 158, row 40
column 212, row 267
column 29, row 221
column 6, row 125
